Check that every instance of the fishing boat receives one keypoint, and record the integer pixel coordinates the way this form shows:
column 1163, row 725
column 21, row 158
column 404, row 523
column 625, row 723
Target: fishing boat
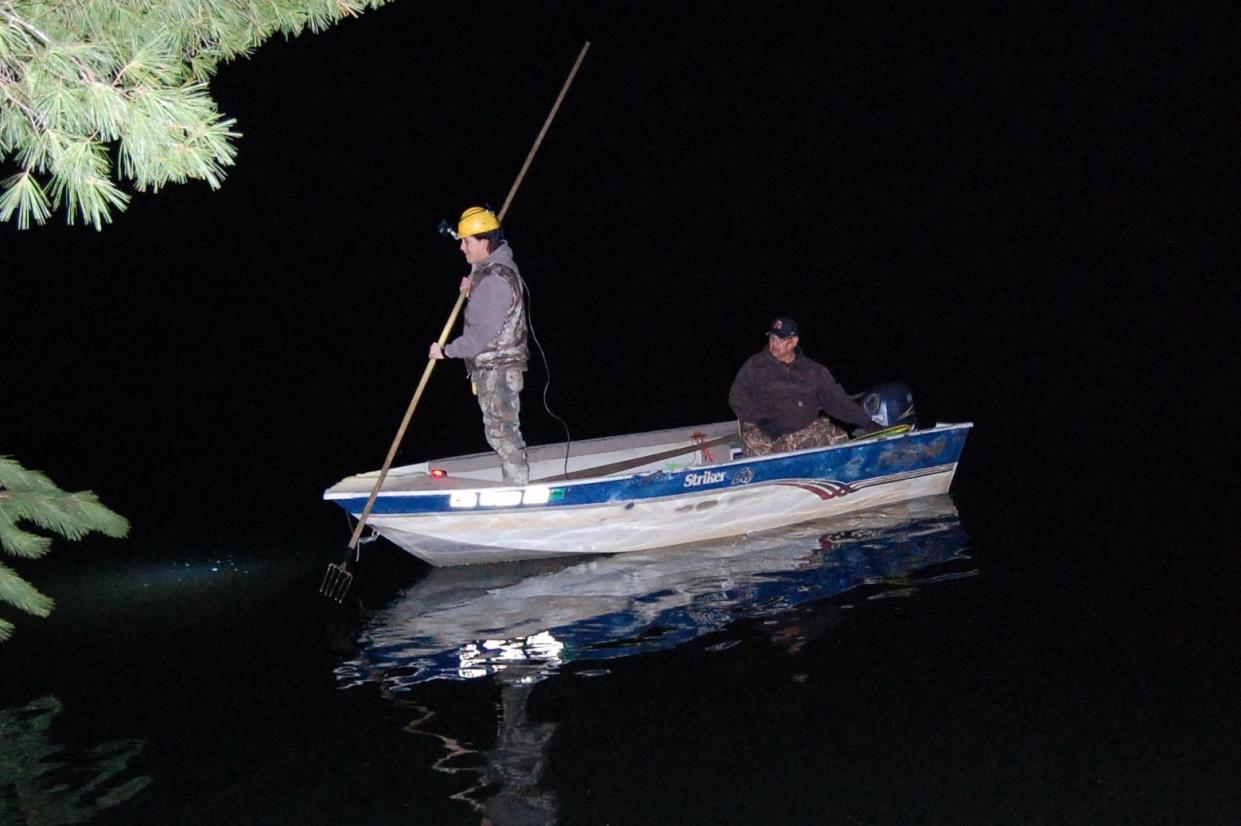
column 642, row 491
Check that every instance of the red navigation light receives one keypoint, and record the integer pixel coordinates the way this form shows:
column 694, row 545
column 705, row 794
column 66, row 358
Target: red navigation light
column 437, row 472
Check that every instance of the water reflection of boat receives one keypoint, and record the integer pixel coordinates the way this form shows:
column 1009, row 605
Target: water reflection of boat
column 460, row 623
column 519, row 622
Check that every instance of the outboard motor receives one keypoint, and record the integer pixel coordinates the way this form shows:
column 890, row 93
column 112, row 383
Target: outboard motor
column 889, row 404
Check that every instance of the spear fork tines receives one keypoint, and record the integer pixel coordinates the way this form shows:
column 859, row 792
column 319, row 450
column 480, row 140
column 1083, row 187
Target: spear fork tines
column 337, row 579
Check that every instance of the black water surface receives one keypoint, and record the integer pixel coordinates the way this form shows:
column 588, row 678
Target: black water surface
column 974, row 661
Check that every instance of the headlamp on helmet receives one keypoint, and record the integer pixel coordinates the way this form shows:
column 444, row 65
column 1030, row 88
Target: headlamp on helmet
column 446, row 230
column 474, row 221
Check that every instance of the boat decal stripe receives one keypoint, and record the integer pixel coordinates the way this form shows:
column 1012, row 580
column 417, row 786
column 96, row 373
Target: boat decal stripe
column 823, row 489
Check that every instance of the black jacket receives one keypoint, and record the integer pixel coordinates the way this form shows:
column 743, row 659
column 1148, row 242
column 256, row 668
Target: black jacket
column 781, row 398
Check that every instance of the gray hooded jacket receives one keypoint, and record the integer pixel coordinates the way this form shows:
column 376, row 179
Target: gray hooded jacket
column 494, row 337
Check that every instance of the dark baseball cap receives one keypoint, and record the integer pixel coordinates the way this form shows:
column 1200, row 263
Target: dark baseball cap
column 782, row 327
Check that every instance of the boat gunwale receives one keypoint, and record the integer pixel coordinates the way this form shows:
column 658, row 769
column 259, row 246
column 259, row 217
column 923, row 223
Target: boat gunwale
column 586, row 482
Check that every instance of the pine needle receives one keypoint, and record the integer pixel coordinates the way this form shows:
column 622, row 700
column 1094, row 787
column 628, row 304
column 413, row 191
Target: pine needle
column 23, row 195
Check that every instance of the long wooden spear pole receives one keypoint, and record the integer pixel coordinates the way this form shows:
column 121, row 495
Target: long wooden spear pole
column 456, row 310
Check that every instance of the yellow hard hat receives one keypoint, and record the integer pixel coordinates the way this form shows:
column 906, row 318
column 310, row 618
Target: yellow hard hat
column 477, row 220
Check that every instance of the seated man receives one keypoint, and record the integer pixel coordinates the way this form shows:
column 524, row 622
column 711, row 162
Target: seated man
column 779, row 393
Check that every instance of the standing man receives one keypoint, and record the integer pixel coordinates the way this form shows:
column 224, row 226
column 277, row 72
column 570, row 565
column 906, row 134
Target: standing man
column 493, row 343
column 779, row 393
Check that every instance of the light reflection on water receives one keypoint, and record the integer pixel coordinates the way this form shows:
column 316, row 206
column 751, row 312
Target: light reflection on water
column 519, row 624
column 107, row 584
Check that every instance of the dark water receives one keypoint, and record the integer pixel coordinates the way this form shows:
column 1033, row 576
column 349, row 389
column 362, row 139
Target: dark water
column 974, row 659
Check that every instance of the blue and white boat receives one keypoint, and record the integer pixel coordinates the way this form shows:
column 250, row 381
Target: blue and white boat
column 641, row 492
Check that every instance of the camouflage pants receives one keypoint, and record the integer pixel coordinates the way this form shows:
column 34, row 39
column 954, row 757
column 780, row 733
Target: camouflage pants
column 499, row 397
column 819, row 433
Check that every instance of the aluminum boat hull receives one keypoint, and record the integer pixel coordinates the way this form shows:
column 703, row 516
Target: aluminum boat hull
column 467, row 516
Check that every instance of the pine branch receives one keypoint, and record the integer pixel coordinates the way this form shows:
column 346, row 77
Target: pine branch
column 22, row 595
column 29, row 495
column 17, row 542
column 72, row 515
column 15, row 477
column 83, row 78
column 23, row 195
column 7, row 13
column 80, row 179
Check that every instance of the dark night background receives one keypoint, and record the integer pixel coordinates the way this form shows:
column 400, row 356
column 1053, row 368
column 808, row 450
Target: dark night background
column 1028, row 215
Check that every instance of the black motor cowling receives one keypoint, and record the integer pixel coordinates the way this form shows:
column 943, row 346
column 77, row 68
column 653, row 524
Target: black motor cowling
column 890, row 403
